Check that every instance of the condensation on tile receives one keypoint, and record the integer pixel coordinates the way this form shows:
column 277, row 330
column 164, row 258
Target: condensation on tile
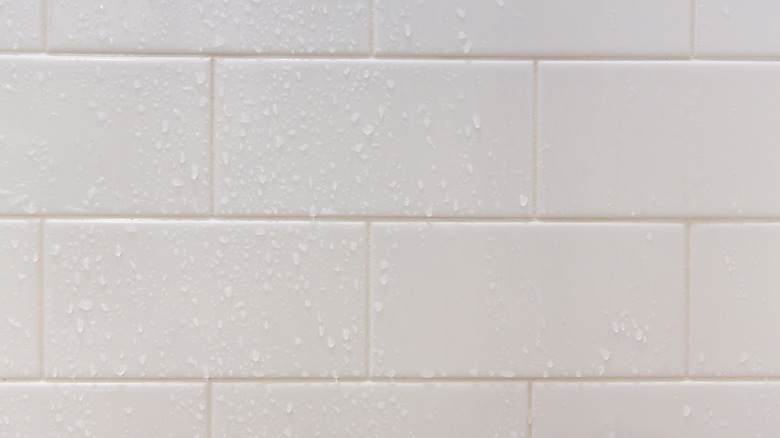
column 329, row 27
column 103, row 410
column 362, row 138
column 204, row 298
column 20, row 25
column 104, row 136
column 493, row 300
column 735, row 274
column 658, row 139
column 657, row 409
column 370, row 409
column 19, row 299
column 533, row 27
column 737, row 29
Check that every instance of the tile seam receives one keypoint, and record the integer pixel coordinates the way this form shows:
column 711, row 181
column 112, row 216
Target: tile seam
column 535, row 141
column 687, row 299
column 212, row 133
column 363, row 219
column 367, row 330
column 41, row 298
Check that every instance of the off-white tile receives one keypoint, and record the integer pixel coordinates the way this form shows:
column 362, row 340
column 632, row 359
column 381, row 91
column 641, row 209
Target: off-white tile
column 504, row 300
column 204, row 298
column 104, row 136
column 733, row 28
column 678, row 409
column 735, row 270
column 20, row 25
column 195, row 26
column 370, row 409
column 395, row 138
column 103, row 410
column 533, row 27
column 19, row 299
column 660, row 139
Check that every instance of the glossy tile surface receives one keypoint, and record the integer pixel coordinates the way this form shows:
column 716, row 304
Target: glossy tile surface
column 20, row 311
column 689, row 409
column 20, row 25
column 327, row 27
column 370, row 409
column 532, row 300
column 533, row 27
column 103, row 409
column 735, row 270
column 658, row 139
column 358, row 138
column 739, row 29
column 204, row 299
column 104, row 136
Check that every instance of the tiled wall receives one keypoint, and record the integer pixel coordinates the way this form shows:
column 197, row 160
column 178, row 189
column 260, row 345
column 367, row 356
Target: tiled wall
column 460, row 218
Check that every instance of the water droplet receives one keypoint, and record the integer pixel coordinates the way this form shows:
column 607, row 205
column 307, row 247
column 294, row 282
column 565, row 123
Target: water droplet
column 255, row 355
column 85, row 304
column 605, row 354
column 378, row 306
column 523, row 200
column 687, row 410
column 477, row 121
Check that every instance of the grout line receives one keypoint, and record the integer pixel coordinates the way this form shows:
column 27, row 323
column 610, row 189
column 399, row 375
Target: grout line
column 45, row 25
column 367, row 57
column 209, row 408
column 417, row 219
column 687, row 299
column 368, row 300
column 41, row 298
column 530, row 408
column 535, row 141
column 693, row 29
column 372, row 27
column 212, row 182
column 398, row 380
column 386, row 58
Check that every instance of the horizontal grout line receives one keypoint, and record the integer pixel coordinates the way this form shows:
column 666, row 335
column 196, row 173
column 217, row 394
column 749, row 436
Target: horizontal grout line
column 281, row 380
column 416, row 219
column 379, row 57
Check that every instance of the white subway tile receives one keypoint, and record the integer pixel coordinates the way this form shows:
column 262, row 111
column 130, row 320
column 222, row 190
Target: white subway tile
column 103, row 410
column 659, row 139
column 204, row 298
column 504, row 300
column 370, row 409
column 195, row 26
column 20, row 25
column 104, row 136
column 396, row 138
column 735, row 270
column 19, row 299
column 675, row 409
column 533, row 27
column 734, row 28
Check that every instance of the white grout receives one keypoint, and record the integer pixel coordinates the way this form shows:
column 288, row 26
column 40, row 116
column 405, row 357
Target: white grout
column 535, row 140
column 416, row 219
column 368, row 300
column 687, row 299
